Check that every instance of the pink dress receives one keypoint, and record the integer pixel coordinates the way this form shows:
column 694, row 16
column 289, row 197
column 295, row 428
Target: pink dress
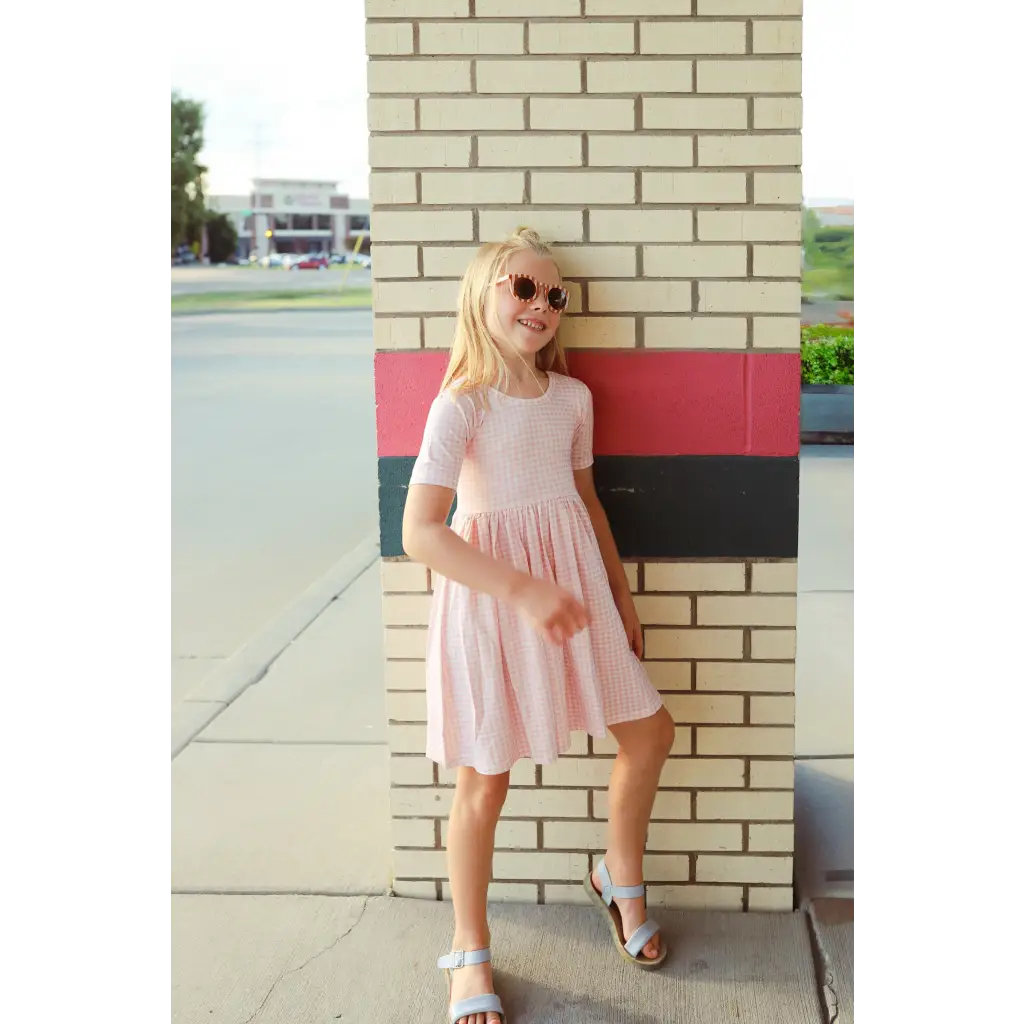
column 496, row 690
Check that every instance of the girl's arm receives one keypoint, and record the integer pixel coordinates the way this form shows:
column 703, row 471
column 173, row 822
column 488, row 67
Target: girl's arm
column 610, row 555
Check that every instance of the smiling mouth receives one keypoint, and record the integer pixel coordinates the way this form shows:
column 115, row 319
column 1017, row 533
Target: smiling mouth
column 534, row 325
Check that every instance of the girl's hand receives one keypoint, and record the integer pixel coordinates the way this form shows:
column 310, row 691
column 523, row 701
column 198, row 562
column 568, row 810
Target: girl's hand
column 631, row 623
column 550, row 609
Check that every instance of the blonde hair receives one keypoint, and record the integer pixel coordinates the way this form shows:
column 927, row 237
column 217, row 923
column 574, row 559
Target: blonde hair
column 476, row 360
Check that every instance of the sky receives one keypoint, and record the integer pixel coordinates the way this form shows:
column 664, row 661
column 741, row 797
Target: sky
column 287, row 99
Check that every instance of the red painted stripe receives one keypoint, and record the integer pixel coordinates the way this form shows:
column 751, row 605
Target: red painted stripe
column 645, row 402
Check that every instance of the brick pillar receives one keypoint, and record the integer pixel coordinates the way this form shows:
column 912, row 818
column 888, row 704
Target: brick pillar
column 657, row 144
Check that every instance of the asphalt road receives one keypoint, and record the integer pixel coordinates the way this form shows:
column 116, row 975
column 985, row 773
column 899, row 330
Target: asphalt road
column 274, row 468
column 824, row 312
column 193, row 280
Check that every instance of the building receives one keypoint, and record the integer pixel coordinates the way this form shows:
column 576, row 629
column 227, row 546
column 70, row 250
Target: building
column 284, row 215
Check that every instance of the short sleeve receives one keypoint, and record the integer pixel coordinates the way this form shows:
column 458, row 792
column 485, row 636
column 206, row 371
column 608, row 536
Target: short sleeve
column 583, row 436
column 445, row 439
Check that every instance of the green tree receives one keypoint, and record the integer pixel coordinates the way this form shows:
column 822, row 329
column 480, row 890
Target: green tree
column 221, row 237
column 187, row 199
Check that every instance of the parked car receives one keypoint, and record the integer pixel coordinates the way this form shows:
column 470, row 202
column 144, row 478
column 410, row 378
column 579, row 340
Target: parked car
column 275, row 259
column 339, row 257
column 311, row 261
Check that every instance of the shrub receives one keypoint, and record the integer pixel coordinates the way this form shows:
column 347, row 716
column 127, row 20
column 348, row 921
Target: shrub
column 826, row 355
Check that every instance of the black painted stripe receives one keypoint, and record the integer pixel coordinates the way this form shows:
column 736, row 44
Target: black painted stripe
column 665, row 506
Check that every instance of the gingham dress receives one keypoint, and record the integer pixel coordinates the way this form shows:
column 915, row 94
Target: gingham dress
column 496, row 690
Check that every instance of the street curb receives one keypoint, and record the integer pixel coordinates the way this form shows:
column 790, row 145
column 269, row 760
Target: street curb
column 250, row 663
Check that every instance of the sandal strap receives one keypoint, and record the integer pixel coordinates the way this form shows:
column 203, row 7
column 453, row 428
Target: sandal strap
column 641, row 937
column 464, row 958
column 476, row 1004
column 610, row 891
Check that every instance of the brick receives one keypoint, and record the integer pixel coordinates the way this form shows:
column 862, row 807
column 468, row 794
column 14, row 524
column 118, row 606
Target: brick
column 694, row 837
column 695, row 897
column 771, row 898
column 396, row 261
column 777, row 37
column 748, row 151
column 470, row 114
column 641, row 226
column 745, row 677
column 558, row 867
column 418, row 151
column 712, row 868
column 700, row 707
column 422, row 226
column 748, row 225
column 596, row 261
column 635, row 76
column 588, row 187
column 529, row 150
column 771, row 838
column 509, row 835
column 581, row 37
column 640, row 151
column 388, row 38
column 633, row 575
column 772, row 710
column 412, row 832
column 420, row 864
column 503, row 892
column 749, row 296
column 411, row 771
column 664, row 611
column 422, row 803
column 565, row 895
column 693, row 187
column 627, row 296
column 415, row 890
column 446, row 261
column 698, row 112
column 778, row 112
column 745, row 806
column 713, row 576
column 777, row 261
column 577, row 772
column 407, row 739
column 391, row 115
column 553, row 225
column 669, row 675
column 546, row 803
column 476, row 37
column 418, row 76
column 633, row 8
column 527, row 8
column 748, row 76
column 417, row 8
column 405, row 643
column 577, row 745
column 581, row 114
column 469, row 188
column 772, row 774
column 694, row 643
column 694, row 331
column 695, row 261
column 415, row 296
column 755, row 8
column 598, row 332
column 773, row 644
column 764, row 739
column 528, row 76
column 405, row 675
column 392, row 187
column 406, row 707
column 702, row 773
column 396, row 332
column 438, row 331
column 666, row 867
column 667, row 806
column 697, row 37
column 524, row 773
column 776, row 332
column 774, row 577
column 575, row 835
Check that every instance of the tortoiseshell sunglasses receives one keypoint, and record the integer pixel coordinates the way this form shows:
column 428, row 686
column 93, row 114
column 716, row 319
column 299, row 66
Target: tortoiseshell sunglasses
column 525, row 289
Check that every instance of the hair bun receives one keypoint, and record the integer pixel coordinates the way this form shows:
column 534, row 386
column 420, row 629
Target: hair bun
column 527, row 234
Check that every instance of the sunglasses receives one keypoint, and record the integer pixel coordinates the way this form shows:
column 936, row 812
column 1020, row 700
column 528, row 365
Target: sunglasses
column 525, row 289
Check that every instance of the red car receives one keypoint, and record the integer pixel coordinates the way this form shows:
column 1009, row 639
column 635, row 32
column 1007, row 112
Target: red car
column 312, row 262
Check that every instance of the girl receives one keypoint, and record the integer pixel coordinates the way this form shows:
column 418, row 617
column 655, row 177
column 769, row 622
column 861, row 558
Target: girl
column 533, row 633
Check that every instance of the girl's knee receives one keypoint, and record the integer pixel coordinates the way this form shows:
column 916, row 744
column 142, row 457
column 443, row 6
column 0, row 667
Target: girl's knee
column 484, row 794
column 648, row 738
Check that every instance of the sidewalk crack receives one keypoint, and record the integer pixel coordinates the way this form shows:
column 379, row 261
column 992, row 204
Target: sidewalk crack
column 823, row 969
column 307, row 962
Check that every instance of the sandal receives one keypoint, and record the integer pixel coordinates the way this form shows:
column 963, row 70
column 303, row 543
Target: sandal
column 631, row 949
column 486, row 1003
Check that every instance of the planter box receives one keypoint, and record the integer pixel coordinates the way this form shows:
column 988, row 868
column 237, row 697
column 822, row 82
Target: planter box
column 826, row 414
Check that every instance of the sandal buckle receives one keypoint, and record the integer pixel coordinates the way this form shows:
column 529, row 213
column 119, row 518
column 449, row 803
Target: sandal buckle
column 458, row 958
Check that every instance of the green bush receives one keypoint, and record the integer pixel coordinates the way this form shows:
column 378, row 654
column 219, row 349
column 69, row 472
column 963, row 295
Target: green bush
column 826, row 355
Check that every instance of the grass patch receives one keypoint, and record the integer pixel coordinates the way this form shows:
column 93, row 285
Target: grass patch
column 829, row 282
column 252, row 301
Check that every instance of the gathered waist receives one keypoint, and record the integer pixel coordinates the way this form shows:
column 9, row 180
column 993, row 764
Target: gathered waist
column 543, row 505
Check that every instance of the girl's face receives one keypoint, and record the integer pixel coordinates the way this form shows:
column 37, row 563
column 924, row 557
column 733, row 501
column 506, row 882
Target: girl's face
column 525, row 326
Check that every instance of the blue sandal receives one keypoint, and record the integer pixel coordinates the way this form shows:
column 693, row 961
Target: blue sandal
column 486, row 1003
column 631, row 948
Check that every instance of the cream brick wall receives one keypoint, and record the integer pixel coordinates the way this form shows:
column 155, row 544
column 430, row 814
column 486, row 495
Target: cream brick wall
column 626, row 123
column 721, row 831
